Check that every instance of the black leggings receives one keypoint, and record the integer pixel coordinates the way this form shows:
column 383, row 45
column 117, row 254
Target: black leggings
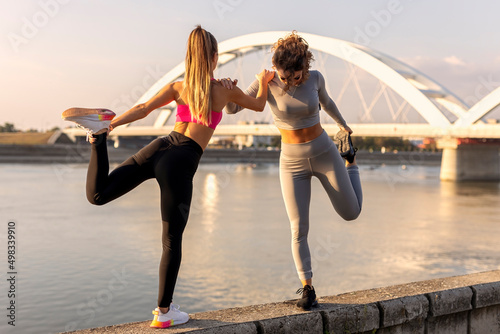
column 173, row 161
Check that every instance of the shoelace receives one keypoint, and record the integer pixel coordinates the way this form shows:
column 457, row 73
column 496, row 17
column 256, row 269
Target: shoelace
column 89, row 133
column 300, row 290
column 175, row 307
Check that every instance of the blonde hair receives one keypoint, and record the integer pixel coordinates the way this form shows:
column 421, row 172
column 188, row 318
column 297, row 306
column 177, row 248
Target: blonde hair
column 201, row 49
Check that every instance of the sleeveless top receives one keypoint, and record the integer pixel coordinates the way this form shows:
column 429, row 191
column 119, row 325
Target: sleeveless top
column 184, row 115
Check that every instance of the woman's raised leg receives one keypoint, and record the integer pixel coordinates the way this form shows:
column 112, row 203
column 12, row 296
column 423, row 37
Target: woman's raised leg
column 342, row 184
column 103, row 188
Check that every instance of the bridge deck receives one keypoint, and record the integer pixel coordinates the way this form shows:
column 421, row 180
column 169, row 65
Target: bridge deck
column 375, row 130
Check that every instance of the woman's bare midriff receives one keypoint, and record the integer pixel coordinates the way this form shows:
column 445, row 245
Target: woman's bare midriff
column 301, row 135
column 197, row 132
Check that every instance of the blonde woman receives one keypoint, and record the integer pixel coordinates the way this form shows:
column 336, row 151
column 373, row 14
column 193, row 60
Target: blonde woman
column 171, row 160
column 295, row 97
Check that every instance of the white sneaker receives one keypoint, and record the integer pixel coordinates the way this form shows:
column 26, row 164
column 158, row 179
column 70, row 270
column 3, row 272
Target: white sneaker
column 91, row 120
column 171, row 318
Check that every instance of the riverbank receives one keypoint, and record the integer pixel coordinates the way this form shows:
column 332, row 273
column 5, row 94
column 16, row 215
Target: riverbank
column 73, row 153
column 461, row 304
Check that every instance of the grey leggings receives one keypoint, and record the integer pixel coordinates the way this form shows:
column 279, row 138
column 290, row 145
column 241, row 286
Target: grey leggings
column 298, row 163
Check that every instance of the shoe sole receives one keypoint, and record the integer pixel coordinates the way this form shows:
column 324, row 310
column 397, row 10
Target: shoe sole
column 344, row 137
column 314, row 304
column 166, row 324
column 78, row 112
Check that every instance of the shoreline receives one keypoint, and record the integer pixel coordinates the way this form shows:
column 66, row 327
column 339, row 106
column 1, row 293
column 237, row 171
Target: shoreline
column 73, row 154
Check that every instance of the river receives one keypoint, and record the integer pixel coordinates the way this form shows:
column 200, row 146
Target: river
column 80, row 266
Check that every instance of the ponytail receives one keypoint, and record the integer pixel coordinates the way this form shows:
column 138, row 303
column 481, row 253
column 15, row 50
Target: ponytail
column 201, row 48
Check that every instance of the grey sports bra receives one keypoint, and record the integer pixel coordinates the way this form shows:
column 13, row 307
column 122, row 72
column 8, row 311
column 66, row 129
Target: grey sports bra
column 298, row 107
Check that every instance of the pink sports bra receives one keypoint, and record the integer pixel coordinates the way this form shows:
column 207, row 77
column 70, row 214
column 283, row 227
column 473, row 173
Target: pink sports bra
column 184, row 115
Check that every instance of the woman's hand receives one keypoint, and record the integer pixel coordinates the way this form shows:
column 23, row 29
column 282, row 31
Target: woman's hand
column 345, row 128
column 257, row 102
column 265, row 76
column 111, row 127
column 228, row 83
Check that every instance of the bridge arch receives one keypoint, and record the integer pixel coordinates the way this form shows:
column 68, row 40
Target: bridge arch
column 410, row 84
column 480, row 109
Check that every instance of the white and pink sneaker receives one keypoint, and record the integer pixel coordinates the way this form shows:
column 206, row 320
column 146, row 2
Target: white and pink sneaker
column 91, row 120
column 172, row 318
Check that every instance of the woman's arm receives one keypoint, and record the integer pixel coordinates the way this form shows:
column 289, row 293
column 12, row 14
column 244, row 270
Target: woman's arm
column 256, row 102
column 166, row 95
column 329, row 106
column 252, row 90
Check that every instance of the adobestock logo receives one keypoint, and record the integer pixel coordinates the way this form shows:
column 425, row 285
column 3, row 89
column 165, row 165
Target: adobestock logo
column 31, row 26
column 224, row 6
column 126, row 101
column 381, row 19
column 486, row 86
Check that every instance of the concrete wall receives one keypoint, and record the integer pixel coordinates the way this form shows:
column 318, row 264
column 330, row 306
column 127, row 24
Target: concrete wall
column 462, row 304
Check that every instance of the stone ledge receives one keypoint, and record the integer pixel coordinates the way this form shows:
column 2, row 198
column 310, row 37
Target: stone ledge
column 402, row 310
column 351, row 319
column 363, row 311
column 297, row 324
column 487, row 294
column 450, row 301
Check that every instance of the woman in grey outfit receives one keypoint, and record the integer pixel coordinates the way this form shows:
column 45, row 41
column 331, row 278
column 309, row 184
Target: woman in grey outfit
column 295, row 96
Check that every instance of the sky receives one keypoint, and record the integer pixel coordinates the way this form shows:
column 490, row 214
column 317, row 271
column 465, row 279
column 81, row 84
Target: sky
column 56, row 54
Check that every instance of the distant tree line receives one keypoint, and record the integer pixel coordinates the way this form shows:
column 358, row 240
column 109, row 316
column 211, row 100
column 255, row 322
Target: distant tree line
column 377, row 143
column 9, row 127
column 390, row 143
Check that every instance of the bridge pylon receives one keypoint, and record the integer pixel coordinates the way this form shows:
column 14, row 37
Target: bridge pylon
column 470, row 159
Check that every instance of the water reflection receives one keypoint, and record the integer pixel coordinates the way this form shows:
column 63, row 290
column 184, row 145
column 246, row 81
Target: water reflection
column 451, row 189
column 210, row 200
column 470, row 200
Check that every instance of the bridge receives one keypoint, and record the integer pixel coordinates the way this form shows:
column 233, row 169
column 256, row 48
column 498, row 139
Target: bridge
column 470, row 146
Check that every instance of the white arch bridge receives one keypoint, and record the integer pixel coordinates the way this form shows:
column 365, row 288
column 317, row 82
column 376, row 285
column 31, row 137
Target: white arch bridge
column 433, row 102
